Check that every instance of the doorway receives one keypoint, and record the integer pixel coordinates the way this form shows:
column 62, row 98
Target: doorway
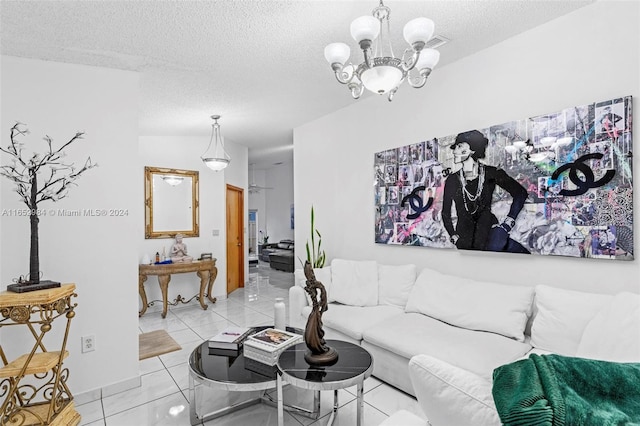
column 253, row 232
column 235, row 238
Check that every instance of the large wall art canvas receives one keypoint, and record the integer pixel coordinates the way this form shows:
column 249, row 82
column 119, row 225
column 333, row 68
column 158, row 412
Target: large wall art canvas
column 557, row 184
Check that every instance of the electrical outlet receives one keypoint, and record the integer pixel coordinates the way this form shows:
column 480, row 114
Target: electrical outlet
column 88, row 343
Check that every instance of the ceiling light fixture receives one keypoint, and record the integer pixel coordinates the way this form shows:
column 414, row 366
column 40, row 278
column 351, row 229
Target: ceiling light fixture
column 220, row 158
column 381, row 72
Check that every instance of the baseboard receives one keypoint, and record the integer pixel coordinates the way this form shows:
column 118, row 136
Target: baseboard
column 112, row 389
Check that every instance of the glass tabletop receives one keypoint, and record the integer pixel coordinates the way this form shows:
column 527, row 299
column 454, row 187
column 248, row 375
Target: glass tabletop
column 232, row 369
column 353, row 361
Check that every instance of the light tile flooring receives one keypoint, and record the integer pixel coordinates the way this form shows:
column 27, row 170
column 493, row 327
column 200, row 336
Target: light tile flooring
column 163, row 397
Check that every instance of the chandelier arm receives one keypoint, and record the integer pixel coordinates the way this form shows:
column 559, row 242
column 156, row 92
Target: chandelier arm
column 356, row 90
column 409, row 63
column 343, row 76
column 392, row 93
column 421, row 80
column 418, row 82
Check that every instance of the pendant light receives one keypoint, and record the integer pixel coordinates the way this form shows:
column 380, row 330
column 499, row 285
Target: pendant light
column 219, row 159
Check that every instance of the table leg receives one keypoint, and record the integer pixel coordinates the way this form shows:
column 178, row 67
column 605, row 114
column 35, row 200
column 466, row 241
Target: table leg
column 193, row 413
column 280, row 401
column 316, row 403
column 163, row 280
column 143, row 294
column 212, row 277
column 334, row 412
column 360, row 403
column 204, row 279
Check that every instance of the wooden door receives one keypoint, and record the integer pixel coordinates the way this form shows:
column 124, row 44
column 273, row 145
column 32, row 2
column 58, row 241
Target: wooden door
column 235, row 238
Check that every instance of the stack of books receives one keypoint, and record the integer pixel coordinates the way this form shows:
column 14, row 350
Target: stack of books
column 229, row 341
column 267, row 345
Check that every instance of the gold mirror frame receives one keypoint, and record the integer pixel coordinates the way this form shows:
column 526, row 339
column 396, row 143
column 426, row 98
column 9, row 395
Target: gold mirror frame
column 149, row 173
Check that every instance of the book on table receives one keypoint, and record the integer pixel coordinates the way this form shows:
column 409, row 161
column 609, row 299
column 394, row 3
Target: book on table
column 230, row 338
column 267, row 345
column 225, row 352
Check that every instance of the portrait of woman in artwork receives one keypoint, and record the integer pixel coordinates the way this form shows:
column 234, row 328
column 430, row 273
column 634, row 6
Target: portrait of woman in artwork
column 470, row 189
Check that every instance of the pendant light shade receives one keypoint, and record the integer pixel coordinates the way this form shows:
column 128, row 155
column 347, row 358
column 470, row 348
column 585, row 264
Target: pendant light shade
column 337, row 53
column 365, row 28
column 418, row 30
column 218, row 159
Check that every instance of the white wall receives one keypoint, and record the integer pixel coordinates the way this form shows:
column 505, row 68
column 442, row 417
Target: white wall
column 96, row 253
column 563, row 63
column 180, row 152
column 278, row 202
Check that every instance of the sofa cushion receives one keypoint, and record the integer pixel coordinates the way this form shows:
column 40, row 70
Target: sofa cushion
column 354, row 282
column 411, row 334
column 450, row 395
column 353, row 320
column 476, row 305
column 562, row 316
column 395, row 284
column 612, row 335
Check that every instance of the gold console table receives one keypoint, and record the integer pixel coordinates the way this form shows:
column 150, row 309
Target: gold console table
column 205, row 269
column 45, row 399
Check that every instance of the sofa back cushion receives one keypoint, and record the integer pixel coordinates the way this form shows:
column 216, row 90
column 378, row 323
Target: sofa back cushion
column 354, row 282
column 286, row 244
column 562, row 316
column 613, row 334
column 395, row 284
column 474, row 305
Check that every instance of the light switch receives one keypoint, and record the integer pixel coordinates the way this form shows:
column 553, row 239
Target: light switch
column 216, row 232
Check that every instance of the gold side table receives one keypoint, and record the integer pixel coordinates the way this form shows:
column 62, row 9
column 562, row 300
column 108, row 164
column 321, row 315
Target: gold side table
column 205, row 269
column 44, row 398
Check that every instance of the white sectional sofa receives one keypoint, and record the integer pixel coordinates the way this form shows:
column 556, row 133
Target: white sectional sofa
column 461, row 329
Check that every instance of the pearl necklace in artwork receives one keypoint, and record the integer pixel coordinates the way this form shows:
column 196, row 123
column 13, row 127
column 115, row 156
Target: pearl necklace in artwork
column 466, row 195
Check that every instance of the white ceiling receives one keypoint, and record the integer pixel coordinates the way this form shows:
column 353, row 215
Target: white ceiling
column 259, row 64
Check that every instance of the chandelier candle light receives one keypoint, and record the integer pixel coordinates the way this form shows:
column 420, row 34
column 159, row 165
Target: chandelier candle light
column 381, row 72
column 220, row 158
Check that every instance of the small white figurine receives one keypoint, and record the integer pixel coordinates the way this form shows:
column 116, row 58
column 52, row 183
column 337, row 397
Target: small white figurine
column 179, row 251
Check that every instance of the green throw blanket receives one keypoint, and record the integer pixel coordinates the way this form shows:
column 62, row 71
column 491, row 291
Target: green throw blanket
column 556, row 390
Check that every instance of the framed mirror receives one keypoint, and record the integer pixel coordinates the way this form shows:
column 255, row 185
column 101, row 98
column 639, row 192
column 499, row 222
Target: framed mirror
column 171, row 203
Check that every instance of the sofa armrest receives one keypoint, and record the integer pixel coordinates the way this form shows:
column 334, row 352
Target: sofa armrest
column 297, row 301
column 451, row 395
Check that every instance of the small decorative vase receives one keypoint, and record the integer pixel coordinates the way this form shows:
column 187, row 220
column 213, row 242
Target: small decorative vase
column 279, row 314
column 146, row 260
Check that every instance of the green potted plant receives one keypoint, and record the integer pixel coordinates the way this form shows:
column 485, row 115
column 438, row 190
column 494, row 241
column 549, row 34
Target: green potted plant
column 265, row 237
column 315, row 255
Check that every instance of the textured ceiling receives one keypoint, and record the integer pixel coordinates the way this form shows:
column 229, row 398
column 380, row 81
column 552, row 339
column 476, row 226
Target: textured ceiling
column 259, row 64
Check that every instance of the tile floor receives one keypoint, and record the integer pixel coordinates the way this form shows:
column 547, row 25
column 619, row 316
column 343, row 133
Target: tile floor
column 163, row 397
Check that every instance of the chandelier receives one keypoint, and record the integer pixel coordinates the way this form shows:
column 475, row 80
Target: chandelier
column 220, row 159
column 381, row 71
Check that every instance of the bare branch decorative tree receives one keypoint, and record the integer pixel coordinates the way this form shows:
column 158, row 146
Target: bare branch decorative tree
column 57, row 177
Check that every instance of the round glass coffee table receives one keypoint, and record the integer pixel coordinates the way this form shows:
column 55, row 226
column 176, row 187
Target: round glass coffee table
column 353, row 366
column 234, row 374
